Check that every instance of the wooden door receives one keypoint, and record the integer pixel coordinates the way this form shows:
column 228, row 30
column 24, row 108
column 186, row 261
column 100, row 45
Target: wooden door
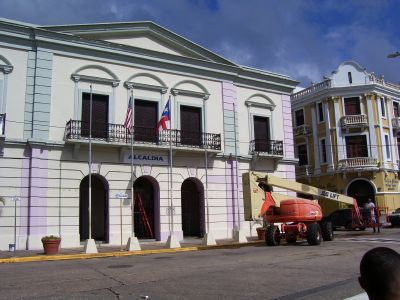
column 190, row 125
column 99, row 115
column 146, row 113
column 261, row 134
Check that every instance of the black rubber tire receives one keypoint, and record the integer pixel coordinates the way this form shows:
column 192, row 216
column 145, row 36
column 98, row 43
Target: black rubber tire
column 272, row 236
column 314, row 236
column 327, row 231
column 349, row 226
column 361, row 228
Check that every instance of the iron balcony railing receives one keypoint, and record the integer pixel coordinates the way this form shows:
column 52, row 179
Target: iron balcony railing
column 118, row 133
column 2, row 124
column 271, row 147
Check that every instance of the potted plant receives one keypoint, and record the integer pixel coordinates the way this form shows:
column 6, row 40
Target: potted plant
column 51, row 244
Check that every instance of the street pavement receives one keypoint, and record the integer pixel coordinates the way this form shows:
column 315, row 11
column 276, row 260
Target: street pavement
column 327, row 271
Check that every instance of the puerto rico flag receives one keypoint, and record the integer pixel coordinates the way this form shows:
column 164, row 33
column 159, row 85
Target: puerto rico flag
column 128, row 119
column 165, row 117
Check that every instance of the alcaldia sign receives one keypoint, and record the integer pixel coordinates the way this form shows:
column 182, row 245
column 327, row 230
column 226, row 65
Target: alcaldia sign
column 147, row 159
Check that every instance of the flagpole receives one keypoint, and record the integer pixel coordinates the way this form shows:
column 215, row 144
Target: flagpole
column 90, row 245
column 133, row 243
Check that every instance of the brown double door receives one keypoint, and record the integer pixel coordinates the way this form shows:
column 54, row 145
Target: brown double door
column 262, row 134
column 191, row 130
column 146, row 118
column 99, row 115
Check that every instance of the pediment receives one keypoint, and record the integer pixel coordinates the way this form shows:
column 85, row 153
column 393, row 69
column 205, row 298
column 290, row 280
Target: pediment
column 143, row 35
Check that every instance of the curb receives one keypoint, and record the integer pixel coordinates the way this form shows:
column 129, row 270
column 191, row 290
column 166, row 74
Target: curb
column 39, row 258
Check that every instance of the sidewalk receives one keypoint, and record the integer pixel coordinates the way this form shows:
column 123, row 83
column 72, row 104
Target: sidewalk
column 147, row 247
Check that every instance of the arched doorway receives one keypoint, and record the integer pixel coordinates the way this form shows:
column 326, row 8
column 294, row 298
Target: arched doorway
column 99, row 208
column 192, row 198
column 361, row 190
column 147, row 203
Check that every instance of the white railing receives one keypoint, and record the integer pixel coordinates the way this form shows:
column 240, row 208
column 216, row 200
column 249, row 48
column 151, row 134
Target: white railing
column 312, row 89
column 396, row 123
column 304, row 170
column 2, row 124
column 354, row 121
column 383, row 82
column 358, row 162
column 302, row 130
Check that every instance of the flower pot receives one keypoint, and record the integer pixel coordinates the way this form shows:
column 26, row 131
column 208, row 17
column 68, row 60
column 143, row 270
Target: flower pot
column 51, row 247
column 261, row 233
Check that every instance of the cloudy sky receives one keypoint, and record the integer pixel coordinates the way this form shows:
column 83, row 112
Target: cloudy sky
column 305, row 39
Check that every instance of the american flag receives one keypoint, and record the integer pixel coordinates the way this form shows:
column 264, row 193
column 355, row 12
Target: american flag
column 128, row 119
column 164, row 117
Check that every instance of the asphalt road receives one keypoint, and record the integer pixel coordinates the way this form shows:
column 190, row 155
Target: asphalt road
column 328, row 271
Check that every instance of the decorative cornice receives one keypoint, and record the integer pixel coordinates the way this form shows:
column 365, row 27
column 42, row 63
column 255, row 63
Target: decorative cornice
column 175, row 92
column 134, row 85
column 269, row 106
column 92, row 79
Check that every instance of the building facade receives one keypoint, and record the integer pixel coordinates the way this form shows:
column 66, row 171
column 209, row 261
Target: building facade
column 346, row 132
column 226, row 119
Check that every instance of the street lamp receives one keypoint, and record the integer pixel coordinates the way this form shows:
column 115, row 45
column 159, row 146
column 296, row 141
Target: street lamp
column 393, row 55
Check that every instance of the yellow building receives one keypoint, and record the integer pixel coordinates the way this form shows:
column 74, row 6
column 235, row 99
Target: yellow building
column 347, row 136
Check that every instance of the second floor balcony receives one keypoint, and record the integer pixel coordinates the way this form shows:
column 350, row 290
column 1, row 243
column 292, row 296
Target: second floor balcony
column 358, row 163
column 354, row 121
column 396, row 123
column 118, row 134
column 266, row 147
column 304, row 170
column 300, row 130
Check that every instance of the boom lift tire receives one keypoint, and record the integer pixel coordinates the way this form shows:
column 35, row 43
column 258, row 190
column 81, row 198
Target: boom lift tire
column 314, row 234
column 273, row 236
column 327, row 231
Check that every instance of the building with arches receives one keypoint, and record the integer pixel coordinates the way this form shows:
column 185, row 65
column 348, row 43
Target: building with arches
column 347, row 136
column 226, row 119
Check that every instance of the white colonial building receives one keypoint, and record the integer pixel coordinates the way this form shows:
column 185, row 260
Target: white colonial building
column 226, row 119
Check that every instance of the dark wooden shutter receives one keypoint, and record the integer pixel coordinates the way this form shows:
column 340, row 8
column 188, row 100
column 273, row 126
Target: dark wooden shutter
column 356, row 146
column 302, row 155
column 99, row 115
column 396, row 109
column 146, row 113
column 299, row 117
column 190, row 125
column 352, row 106
column 261, row 134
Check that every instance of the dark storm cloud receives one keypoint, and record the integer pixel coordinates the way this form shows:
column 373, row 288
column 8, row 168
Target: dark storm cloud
column 304, row 39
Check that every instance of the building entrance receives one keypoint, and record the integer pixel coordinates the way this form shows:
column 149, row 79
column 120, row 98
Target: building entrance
column 361, row 190
column 192, row 197
column 144, row 213
column 99, row 209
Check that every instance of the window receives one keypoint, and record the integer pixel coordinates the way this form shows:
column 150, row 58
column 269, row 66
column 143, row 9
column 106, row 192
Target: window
column 302, row 154
column 320, row 112
column 396, row 110
column 350, row 78
column 190, row 125
column 262, row 135
column 145, row 120
column 352, row 106
column 323, row 150
column 99, row 115
column 299, row 115
column 383, row 107
column 356, row 146
column 387, row 146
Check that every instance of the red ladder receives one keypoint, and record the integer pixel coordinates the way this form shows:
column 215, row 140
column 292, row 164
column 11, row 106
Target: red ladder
column 144, row 215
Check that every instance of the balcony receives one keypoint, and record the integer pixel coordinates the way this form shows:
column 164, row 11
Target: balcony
column 266, row 147
column 358, row 163
column 396, row 123
column 304, row 129
column 118, row 134
column 2, row 124
column 354, row 121
column 305, row 170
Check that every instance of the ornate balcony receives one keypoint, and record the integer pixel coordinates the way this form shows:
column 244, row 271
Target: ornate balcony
column 2, row 124
column 359, row 163
column 396, row 123
column 304, row 170
column 117, row 133
column 304, row 129
column 354, row 121
column 266, row 147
